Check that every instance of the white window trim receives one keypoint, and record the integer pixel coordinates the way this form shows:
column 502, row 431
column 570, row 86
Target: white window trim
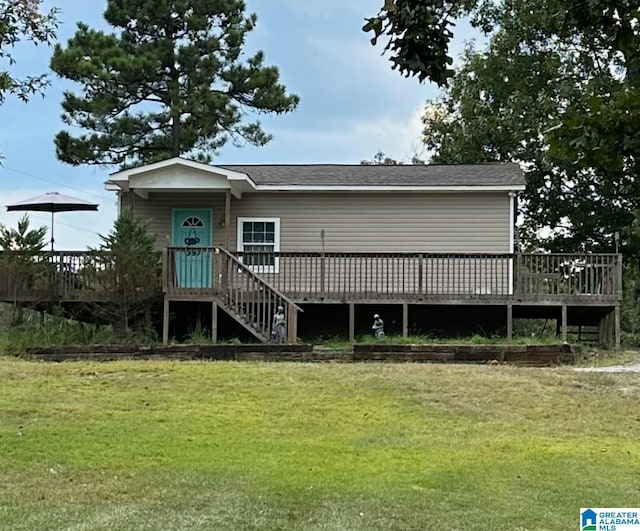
column 275, row 268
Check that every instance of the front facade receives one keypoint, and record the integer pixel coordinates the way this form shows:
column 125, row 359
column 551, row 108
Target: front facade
column 333, row 242
column 464, row 209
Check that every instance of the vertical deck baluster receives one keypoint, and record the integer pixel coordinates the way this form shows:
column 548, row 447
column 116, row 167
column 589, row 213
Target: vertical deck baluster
column 344, row 279
column 365, row 261
column 421, row 290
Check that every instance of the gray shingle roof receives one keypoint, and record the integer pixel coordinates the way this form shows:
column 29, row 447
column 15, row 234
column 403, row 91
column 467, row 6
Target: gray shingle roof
column 489, row 174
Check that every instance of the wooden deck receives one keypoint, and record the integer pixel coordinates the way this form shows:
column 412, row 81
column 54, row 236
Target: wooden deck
column 573, row 289
column 250, row 286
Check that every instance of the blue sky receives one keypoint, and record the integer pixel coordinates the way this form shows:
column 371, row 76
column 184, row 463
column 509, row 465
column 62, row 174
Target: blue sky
column 352, row 105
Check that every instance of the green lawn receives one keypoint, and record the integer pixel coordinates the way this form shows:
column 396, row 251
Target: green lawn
column 189, row 445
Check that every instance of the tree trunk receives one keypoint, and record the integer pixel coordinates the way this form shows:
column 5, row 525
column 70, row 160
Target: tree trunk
column 175, row 134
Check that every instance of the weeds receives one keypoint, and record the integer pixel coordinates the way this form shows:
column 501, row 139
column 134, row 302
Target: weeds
column 44, row 329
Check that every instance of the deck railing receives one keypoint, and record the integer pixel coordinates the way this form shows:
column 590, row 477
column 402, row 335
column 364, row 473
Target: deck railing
column 49, row 275
column 421, row 276
column 590, row 275
column 211, row 271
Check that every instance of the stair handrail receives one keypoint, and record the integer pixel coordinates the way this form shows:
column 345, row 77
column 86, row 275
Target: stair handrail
column 257, row 277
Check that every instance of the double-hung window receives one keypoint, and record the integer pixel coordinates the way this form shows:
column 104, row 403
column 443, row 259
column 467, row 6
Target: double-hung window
column 258, row 239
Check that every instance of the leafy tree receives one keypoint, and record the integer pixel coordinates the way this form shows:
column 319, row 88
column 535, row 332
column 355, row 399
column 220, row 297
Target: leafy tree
column 511, row 102
column 170, row 81
column 126, row 268
column 23, row 20
column 599, row 132
column 558, row 89
column 419, row 32
column 382, row 159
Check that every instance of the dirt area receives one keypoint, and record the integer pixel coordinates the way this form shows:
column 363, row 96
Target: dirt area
column 628, row 362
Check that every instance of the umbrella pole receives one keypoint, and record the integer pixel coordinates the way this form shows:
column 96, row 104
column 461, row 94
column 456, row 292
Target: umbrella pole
column 52, row 240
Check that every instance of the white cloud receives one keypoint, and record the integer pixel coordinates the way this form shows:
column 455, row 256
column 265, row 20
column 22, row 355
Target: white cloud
column 349, row 142
column 398, row 137
column 364, row 64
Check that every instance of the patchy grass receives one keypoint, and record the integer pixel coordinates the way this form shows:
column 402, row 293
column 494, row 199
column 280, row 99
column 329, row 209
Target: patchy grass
column 168, row 445
column 602, row 358
column 341, row 344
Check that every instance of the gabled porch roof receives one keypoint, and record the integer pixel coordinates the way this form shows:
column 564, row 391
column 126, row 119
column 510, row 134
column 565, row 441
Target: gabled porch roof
column 179, row 175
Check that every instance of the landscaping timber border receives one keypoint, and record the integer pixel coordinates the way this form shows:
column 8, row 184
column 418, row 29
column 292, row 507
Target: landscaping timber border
column 533, row 355
column 537, row 355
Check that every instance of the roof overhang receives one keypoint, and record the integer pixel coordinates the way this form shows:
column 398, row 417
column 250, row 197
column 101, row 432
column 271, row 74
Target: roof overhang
column 386, row 188
column 179, row 175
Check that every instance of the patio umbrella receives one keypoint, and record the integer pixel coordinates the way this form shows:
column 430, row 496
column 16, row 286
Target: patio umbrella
column 53, row 202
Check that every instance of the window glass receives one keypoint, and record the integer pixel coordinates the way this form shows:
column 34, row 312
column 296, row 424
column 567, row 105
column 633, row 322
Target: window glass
column 258, row 243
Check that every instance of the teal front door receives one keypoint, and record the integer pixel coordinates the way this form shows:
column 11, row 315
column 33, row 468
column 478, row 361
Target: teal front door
column 192, row 233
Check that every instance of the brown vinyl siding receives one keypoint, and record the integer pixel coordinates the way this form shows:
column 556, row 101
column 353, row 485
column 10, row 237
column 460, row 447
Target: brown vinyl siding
column 399, row 222
column 157, row 212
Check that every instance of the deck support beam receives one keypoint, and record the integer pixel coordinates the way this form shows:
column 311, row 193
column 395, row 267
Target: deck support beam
column 405, row 320
column 563, row 327
column 509, row 321
column 352, row 322
column 214, row 321
column 165, row 322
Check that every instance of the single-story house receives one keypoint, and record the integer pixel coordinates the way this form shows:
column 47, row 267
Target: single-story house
column 424, row 245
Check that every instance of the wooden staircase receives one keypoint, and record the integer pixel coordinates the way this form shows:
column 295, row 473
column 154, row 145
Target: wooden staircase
column 236, row 289
column 252, row 301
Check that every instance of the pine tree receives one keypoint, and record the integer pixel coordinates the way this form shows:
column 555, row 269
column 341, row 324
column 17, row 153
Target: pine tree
column 19, row 263
column 126, row 268
column 171, row 81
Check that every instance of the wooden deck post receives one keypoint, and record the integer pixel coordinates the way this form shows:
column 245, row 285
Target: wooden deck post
column 603, row 330
column 214, row 321
column 618, row 279
column 616, row 330
column 405, row 320
column 509, row 321
column 165, row 322
column 563, row 328
column 165, row 270
column 352, row 322
column 292, row 328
